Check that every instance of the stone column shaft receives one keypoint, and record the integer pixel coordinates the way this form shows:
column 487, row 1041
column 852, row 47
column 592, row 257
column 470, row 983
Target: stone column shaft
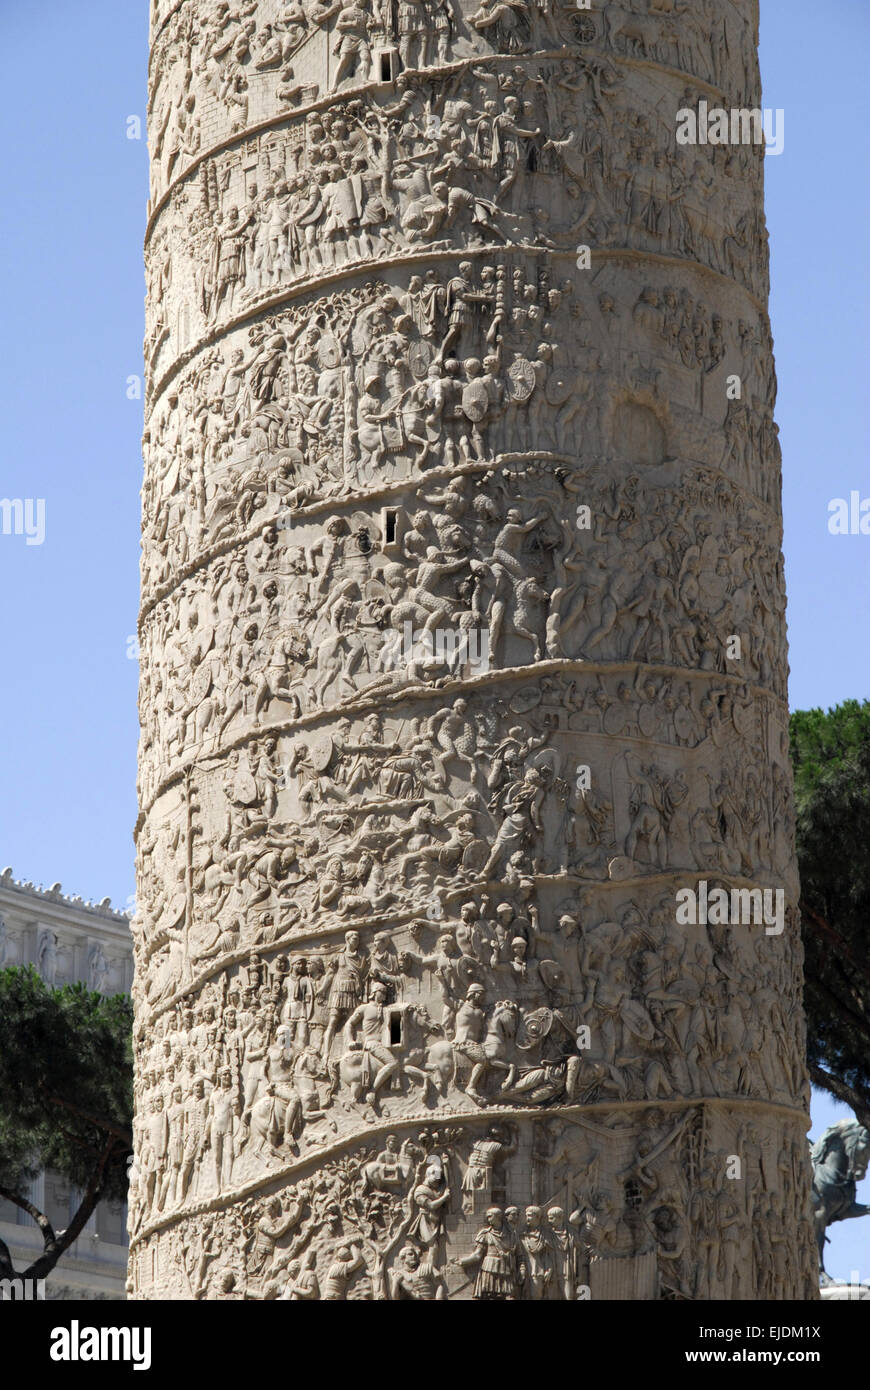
column 464, row 764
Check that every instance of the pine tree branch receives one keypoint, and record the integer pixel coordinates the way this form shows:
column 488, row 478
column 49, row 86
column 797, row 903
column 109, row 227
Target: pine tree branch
column 56, row 1247
column 107, row 1126
column 833, row 935
column 7, row 1269
column 856, row 1101
column 36, row 1215
column 854, row 993
column 840, row 1006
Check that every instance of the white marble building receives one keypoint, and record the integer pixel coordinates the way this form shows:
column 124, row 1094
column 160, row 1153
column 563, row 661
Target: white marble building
column 68, row 939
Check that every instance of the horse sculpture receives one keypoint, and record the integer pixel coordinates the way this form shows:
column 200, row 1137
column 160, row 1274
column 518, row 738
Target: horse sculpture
column 358, row 1066
column 840, row 1160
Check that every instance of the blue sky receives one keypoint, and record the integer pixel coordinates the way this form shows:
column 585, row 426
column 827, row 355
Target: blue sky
column 72, row 286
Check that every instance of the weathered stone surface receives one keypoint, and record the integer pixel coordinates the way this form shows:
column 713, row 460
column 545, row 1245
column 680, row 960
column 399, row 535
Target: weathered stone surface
column 463, row 654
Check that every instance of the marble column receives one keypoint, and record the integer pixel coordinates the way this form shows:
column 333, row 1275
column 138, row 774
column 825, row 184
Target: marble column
column 468, row 961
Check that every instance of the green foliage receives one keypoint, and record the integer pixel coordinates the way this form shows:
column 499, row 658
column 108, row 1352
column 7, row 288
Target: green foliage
column 66, row 1082
column 831, row 760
